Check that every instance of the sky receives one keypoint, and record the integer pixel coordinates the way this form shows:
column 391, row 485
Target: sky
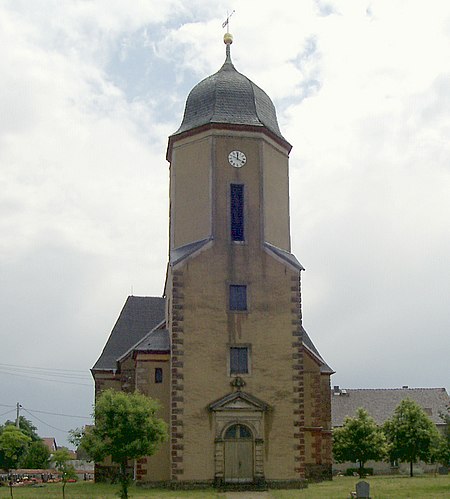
column 90, row 92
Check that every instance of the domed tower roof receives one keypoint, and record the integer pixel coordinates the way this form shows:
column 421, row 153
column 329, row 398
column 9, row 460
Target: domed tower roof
column 229, row 98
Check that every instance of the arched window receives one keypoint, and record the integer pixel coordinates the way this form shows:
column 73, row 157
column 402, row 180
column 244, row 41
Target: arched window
column 239, row 432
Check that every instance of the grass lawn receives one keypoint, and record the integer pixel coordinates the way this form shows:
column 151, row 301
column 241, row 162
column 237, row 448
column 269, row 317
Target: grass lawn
column 381, row 487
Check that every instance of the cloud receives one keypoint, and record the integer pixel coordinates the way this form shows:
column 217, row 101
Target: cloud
column 370, row 202
column 90, row 92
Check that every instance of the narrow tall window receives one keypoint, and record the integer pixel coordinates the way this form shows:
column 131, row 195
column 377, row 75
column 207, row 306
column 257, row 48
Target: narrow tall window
column 238, row 297
column 238, row 360
column 158, row 375
column 237, row 212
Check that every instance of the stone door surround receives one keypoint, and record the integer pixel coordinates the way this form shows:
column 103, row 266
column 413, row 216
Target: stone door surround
column 244, row 409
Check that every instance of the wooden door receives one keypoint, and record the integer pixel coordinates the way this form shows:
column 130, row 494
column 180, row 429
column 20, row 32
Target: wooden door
column 238, row 454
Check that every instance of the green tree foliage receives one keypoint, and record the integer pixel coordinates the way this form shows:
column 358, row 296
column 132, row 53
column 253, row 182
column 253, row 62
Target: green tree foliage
column 82, row 454
column 359, row 440
column 411, row 434
column 37, row 456
column 27, row 427
column 442, row 451
column 13, row 445
column 61, row 459
column 126, row 427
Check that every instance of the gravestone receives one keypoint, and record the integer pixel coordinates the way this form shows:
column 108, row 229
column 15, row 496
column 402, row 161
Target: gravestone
column 363, row 490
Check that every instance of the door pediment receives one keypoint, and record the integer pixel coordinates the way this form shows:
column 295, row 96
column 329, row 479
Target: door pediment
column 239, row 401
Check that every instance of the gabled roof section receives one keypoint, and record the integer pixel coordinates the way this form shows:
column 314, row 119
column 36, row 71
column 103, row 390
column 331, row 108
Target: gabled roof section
column 238, row 401
column 179, row 254
column 283, row 255
column 156, row 341
column 309, row 345
column 139, row 315
column 381, row 402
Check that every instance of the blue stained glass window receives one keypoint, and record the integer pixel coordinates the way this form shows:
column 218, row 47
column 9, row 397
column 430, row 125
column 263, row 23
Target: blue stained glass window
column 237, row 212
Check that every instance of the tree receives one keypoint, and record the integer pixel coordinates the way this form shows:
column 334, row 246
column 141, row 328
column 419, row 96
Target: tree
column 27, row 427
column 359, row 440
column 126, row 427
column 61, row 458
column 411, row 434
column 37, row 455
column 13, row 444
column 442, row 450
column 82, row 455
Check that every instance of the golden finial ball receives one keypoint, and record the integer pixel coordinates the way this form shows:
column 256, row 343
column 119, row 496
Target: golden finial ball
column 228, row 38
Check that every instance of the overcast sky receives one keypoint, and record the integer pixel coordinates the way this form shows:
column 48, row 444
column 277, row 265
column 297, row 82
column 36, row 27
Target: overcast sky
column 90, row 92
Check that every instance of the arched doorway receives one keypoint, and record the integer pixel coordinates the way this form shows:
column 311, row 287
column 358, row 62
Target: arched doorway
column 238, row 440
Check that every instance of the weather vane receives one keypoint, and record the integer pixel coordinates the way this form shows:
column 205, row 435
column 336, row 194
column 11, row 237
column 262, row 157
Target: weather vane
column 226, row 23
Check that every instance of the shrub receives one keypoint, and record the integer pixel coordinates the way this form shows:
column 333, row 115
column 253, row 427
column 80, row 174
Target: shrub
column 355, row 471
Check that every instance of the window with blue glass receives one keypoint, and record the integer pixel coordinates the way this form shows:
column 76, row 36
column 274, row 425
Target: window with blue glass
column 238, row 297
column 237, row 212
column 239, row 360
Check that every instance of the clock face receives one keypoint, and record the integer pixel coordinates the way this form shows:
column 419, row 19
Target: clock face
column 237, row 159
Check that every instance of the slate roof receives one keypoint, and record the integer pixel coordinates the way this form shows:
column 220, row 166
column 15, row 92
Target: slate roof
column 284, row 255
column 381, row 402
column 137, row 329
column 139, row 315
column 307, row 342
column 156, row 340
column 179, row 254
column 229, row 97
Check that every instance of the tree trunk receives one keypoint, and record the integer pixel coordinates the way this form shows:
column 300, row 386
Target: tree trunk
column 64, row 492
column 411, row 469
column 123, row 480
column 10, row 486
column 361, row 469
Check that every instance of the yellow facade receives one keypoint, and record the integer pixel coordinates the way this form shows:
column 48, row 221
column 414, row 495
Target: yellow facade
column 269, row 328
column 245, row 393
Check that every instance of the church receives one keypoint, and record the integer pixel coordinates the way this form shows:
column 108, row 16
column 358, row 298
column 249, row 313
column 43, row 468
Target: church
column 245, row 392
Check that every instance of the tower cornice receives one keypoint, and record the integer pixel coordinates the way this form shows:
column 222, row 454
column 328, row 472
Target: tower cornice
column 229, row 127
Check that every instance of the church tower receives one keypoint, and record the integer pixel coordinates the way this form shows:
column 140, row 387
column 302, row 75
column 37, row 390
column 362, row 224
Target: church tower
column 242, row 387
column 249, row 392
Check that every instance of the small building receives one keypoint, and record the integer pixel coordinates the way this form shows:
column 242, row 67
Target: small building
column 50, row 443
column 380, row 403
